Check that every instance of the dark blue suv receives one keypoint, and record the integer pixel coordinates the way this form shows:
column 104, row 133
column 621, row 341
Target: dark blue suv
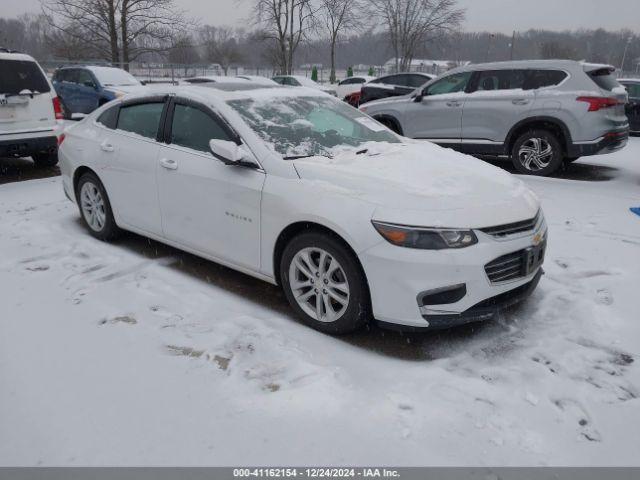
column 83, row 89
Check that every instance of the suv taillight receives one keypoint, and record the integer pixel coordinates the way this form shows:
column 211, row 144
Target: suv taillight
column 598, row 103
column 57, row 108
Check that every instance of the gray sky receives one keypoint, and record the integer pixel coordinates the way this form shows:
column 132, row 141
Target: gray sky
column 492, row 15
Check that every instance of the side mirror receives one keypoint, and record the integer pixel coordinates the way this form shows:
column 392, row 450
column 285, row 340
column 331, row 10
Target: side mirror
column 226, row 151
column 89, row 84
column 421, row 94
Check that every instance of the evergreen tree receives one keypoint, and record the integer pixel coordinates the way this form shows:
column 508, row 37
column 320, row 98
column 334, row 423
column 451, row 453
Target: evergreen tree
column 314, row 73
column 350, row 72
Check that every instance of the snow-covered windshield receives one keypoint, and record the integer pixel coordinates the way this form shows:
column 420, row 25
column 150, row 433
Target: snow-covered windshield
column 309, row 125
column 114, row 77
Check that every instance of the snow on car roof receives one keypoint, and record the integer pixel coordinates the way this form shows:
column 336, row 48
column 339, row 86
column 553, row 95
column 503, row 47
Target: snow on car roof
column 16, row 56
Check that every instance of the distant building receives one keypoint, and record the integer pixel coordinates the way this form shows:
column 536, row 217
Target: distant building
column 435, row 67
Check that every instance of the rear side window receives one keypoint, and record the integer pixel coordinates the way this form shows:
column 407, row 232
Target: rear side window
column 193, row 128
column 416, row 81
column 633, row 89
column 109, row 118
column 604, row 79
column 544, row 78
column 500, row 80
column 19, row 75
column 142, row 119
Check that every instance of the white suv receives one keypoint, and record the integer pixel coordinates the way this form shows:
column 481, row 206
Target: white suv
column 30, row 112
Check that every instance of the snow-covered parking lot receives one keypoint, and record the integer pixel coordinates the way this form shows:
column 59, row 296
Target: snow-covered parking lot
column 134, row 353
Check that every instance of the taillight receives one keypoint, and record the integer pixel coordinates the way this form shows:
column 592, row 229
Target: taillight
column 598, row 103
column 61, row 138
column 57, row 108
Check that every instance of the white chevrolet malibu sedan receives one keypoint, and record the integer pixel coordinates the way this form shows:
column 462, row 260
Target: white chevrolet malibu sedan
column 299, row 189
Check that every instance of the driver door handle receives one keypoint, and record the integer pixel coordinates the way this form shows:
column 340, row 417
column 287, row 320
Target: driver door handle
column 520, row 101
column 106, row 147
column 454, row 103
column 169, row 164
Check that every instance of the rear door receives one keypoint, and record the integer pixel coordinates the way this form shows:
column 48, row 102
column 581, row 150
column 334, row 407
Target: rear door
column 497, row 101
column 130, row 155
column 25, row 98
column 438, row 116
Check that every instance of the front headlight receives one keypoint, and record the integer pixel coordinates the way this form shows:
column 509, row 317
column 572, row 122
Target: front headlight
column 425, row 238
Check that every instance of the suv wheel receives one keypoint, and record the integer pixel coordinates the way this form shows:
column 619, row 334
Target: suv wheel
column 95, row 208
column 324, row 284
column 537, row 152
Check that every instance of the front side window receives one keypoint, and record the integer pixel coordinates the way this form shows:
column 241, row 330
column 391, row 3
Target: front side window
column 193, row 128
column 416, row 81
column 305, row 126
column 142, row 119
column 85, row 78
column 17, row 76
column 451, row 84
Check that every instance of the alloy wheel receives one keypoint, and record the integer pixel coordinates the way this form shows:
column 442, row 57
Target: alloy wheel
column 535, row 154
column 319, row 284
column 93, row 206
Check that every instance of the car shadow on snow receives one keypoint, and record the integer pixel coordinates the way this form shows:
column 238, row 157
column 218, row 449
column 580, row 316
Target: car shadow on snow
column 573, row 171
column 414, row 346
column 21, row 169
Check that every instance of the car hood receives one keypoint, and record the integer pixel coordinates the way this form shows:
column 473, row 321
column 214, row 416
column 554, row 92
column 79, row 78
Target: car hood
column 422, row 184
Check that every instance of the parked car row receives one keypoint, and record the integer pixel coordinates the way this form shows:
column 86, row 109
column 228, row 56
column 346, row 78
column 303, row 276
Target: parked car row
column 633, row 105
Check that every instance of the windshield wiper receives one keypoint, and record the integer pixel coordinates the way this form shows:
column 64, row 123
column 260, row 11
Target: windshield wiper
column 297, row 157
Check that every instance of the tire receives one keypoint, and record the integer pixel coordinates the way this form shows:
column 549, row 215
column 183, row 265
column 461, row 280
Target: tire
column 92, row 197
column 544, row 145
column 45, row 160
column 346, row 306
column 390, row 124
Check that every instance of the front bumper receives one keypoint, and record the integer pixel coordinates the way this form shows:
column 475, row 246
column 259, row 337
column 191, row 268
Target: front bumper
column 399, row 277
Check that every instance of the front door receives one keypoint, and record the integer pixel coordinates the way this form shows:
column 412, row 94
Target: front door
column 438, row 115
column 206, row 205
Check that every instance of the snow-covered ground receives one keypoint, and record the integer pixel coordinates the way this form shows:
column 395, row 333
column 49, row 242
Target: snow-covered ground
column 137, row 354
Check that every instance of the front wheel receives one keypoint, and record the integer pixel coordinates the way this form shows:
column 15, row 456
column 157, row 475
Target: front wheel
column 537, row 152
column 324, row 284
column 95, row 208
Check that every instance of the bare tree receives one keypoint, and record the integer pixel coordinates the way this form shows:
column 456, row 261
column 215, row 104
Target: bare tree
column 285, row 22
column 412, row 23
column 220, row 46
column 335, row 17
column 116, row 30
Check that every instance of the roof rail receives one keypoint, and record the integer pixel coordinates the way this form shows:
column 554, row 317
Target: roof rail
column 8, row 50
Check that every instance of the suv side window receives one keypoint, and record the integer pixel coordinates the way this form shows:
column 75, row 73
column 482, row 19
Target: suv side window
column 416, row 81
column 633, row 89
column 192, row 127
column 109, row 118
column 141, row 118
column 451, row 84
column 500, row 80
column 85, row 78
column 544, row 78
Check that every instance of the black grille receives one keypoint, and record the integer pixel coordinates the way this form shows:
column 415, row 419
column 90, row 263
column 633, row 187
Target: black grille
column 505, row 268
column 512, row 228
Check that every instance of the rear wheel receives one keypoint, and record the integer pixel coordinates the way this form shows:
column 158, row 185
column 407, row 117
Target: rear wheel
column 324, row 284
column 95, row 208
column 390, row 124
column 537, row 152
column 45, row 160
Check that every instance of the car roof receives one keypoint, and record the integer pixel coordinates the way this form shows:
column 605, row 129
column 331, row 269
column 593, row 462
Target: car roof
column 229, row 91
column 567, row 64
column 217, row 79
column 16, row 56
